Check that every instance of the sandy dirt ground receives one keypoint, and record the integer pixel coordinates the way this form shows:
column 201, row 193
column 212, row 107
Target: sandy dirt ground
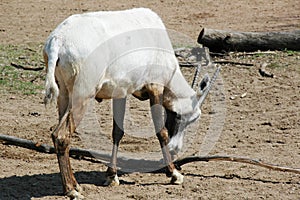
column 262, row 118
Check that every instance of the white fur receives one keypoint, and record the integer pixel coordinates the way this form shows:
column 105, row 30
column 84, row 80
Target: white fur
column 114, row 54
column 80, row 41
column 176, row 143
column 112, row 181
column 87, row 48
column 177, row 178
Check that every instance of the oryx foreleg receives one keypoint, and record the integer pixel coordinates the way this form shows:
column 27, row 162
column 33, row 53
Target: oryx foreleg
column 117, row 133
column 156, row 102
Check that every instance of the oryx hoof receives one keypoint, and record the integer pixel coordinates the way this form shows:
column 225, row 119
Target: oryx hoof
column 177, row 178
column 75, row 195
column 78, row 188
column 112, row 181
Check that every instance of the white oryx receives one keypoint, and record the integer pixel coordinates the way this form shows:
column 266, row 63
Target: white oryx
column 110, row 55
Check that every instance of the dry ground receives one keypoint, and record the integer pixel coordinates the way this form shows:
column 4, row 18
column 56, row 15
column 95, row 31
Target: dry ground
column 264, row 124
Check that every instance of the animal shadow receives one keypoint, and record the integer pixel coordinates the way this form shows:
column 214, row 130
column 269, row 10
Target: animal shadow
column 41, row 185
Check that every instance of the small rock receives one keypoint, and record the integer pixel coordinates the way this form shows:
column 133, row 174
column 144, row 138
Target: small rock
column 267, row 124
column 192, row 58
column 233, row 97
column 265, row 73
column 22, row 57
column 212, row 112
column 35, row 114
column 243, row 95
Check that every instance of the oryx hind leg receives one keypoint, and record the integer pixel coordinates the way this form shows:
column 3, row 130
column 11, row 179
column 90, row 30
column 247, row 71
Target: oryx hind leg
column 61, row 139
column 70, row 114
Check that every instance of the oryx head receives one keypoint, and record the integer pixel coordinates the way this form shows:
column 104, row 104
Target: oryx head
column 176, row 122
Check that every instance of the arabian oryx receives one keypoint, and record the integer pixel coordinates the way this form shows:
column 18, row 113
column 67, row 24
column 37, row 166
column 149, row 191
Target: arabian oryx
column 110, row 55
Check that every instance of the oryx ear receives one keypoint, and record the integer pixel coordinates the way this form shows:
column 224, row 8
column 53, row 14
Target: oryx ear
column 203, row 85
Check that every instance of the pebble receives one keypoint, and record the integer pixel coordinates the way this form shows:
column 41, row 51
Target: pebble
column 243, row 95
column 232, row 97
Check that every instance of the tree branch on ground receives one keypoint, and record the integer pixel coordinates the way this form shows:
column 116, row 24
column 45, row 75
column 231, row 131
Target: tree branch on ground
column 78, row 153
column 29, row 68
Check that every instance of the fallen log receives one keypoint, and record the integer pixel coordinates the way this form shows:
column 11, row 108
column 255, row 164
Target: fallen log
column 221, row 40
column 78, row 153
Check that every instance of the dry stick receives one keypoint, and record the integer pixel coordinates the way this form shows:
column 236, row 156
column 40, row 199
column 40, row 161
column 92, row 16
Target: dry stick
column 44, row 148
column 233, row 62
column 234, row 53
column 11, row 140
column 252, row 53
column 188, row 64
column 79, row 153
column 26, row 68
column 236, row 159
